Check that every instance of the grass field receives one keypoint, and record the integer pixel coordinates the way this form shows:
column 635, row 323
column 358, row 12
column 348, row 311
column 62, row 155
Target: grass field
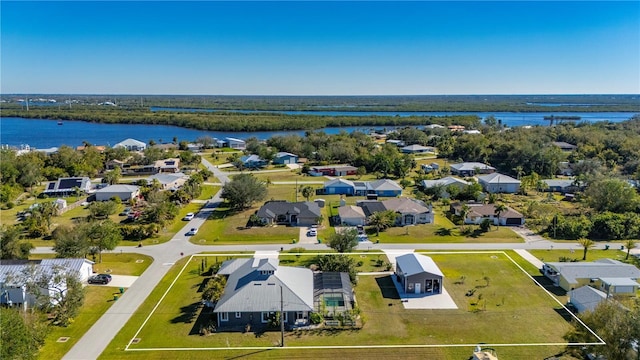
column 512, row 310
column 592, row 254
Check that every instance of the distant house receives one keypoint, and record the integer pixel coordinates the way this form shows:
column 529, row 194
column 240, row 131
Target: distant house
column 611, row 276
column 560, row 185
column 409, row 211
column 564, row 146
column 171, row 165
column 447, row 181
column 479, row 212
column 131, row 145
column 168, row 181
column 430, row 167
column 467, row 169
column 434, row 126
column 13, row 291
column 586, row 298
column 416, row 149
column 499, row 183
column 68, row 186
column 115, row 163
column 334, row 170
column 124, row 192
column 98, row 148
column 351, row 215
column 382, row 187
column 253, row 161
column 234, row 143
column 398, row 143
column 258, row 288
column 303, row 213
column 285, row 158
column 472, row 132
column 418, row 274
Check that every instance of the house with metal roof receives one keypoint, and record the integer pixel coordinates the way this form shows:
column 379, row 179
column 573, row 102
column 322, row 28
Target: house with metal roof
column 561, row 185
column 234, row 143
column 253, row 161
column 444, row 183
column 123, row 191
column 608, row 275
column 340, row 187
column 14, row 275
column 333, row 170
column 466, row 169
column 382, row 187
column 499, row 183
column 168, row 181
column 67, row 186
column 302, row 213
column 586, row 298
column 131, row 145
column 418, row 274
column 285, row 158
column 416, row 149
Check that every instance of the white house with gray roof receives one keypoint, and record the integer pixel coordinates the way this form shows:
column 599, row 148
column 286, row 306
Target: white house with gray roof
column 131, row 145
column 499, row 183
column 168, row 181
column 471, row 169
column 586, row 298
column 418, row 274
column 122, row 191
column 611, row 276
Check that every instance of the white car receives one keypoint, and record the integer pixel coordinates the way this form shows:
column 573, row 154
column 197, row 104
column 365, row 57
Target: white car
column 188, row 217
column 192, row 232
column 312, row 232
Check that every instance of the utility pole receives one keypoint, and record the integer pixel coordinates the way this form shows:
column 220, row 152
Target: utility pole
column 281, row 318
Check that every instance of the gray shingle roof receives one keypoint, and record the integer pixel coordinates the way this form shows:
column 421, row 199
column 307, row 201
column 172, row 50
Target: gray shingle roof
column 497, row 178
column 304, row 209
column 468, row 166
column 444, row 182
column 586, row 296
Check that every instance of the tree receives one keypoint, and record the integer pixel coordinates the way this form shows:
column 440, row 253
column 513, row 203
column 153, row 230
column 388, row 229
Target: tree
column 214, row 289
column 464, row 211
column 113, row 176
column 244, row 190
column 12, row 245
column 23, row 333
column 382, row 220
column 102, row 209
column 307, row 192
column 337, row 263
column 344, row 241
column 102, row 236
column 586, row 245
column 70, row 241
column 612, row 195
column 630, row 244
column 498, row 210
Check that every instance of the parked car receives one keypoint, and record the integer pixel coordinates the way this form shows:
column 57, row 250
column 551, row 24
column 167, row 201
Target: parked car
column 100, row 279
column 192, row 232
column 125, row 212
column 312, row 232
column 360, row 229
column 188, row 217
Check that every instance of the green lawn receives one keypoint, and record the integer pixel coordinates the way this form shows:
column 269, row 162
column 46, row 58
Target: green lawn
column 208, row 191
column 592, row 254
column 431, row 233
column 512, row 310
column 376, row 261
column 117, row 263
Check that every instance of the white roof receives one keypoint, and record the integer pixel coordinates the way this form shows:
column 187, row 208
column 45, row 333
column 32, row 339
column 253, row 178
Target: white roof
column 121, row 188
column 384, row 184
column 234, row 139
column 416, row 147
column 444, row 182
column 467, row 166
column 497, row 178
column 339, row 182
column 413, row 263
column 130, row 142
column 283, row 154
column 586, row 296
column 165, row 178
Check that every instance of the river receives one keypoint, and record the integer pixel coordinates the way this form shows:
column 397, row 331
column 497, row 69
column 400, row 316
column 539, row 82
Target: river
column 44, row 134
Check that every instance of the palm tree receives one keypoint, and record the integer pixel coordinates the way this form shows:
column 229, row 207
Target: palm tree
column 499, row 209
column 464, row 211
column 586, row 245
column 630, row 244
column 381, row 220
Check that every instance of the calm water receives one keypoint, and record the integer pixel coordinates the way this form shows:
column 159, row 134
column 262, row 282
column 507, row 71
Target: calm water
column 47, row 133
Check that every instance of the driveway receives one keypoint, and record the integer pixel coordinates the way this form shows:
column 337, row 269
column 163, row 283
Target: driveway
column 119, row 281
column 304, row 238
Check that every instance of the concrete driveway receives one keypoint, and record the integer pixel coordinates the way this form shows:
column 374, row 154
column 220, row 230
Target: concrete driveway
column 119, row 281
column 304, row 238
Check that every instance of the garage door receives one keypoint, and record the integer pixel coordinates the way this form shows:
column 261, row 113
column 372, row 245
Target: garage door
column 514, row 221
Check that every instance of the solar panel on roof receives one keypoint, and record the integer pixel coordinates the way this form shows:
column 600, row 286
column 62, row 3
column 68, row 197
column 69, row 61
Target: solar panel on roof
column 70, row 183
column 51, row 186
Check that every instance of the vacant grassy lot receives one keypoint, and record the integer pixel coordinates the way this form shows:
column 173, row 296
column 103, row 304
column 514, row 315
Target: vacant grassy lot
column 117, row 263
column 511, row 309
column 593, row 254
column 442, row 232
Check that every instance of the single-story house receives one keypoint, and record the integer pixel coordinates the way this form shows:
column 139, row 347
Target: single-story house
column 560, row 185
column 564, row 146
column 131, row 145
column 466, row 169
column 382, row 187
column 302, row 213
column 340, row 187
column 234, row 143
column 171, row 165
column 586, row 298
column 99, row 148
column 418, row 274
column 351, row 215
column 499, row 183
column 168, row 181
column 13, row 274
column 333, row 170
column 434, row 126
column 67, row 186
column 253, row 161
column 115, row 163
column 122, row 191
column 447, row 181
column 256, row 291
column 410, row 211
column 416, row 149
column 398, row 143
column 600, row 273
column 285, row 158
column 479, row 212
column 472, row 132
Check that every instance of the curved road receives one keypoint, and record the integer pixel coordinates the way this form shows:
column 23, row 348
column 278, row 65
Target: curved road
column 95, row 341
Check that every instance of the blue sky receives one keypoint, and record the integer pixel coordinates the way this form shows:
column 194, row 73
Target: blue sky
column 320, row 48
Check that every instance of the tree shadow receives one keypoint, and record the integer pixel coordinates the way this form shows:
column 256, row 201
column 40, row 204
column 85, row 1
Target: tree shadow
column 566, row 315
column 550, row 286
column 248, row 354
column 444, row 231
column 387, row 287
column 205, row 317
column 188, row 313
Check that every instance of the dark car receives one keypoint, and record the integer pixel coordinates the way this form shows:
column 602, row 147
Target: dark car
column 100, row 279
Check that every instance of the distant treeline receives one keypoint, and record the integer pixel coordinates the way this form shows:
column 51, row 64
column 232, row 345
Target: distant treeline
column 478, row 103
column 226, row 121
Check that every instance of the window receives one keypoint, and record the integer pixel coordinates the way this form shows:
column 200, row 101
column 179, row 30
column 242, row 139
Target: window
column 238, row 315
column 224, row 316
column 285, row 317
column 266, row 315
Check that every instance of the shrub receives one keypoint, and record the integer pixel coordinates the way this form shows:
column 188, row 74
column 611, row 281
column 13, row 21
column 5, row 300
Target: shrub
column 316, row 318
